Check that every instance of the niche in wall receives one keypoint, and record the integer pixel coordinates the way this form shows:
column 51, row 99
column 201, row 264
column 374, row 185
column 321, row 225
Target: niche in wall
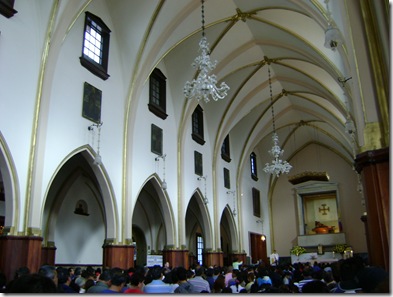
column 317, row 201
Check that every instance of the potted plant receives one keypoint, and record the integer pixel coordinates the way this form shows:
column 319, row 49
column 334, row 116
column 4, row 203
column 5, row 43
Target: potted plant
column 340, row 248
column 297, row 251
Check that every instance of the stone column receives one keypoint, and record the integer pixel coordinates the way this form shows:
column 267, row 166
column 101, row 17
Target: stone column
column 374, row 169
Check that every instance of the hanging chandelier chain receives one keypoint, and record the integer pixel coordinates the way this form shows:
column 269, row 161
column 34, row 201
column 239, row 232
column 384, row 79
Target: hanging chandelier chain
column 271, row 99
column 278, row 166
column 203, row 17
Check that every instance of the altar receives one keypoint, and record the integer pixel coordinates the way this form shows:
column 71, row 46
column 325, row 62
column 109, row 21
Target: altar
column 327, row 257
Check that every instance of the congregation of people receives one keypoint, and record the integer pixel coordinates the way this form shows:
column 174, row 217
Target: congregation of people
column 345, row 276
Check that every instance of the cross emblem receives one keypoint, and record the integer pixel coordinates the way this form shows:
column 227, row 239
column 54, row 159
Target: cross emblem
column 324, row 209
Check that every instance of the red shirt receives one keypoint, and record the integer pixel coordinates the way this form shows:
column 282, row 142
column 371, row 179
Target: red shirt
column 134, row 291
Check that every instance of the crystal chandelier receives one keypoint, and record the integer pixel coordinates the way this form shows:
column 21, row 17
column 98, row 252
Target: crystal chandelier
column 204, row 86
column 278, row 166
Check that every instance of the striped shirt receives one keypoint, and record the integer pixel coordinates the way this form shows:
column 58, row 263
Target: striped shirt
column 199, row 284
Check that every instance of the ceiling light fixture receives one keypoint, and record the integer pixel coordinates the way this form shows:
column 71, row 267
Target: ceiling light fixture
column 205, row 85
column 278, row 166
column 332, row 35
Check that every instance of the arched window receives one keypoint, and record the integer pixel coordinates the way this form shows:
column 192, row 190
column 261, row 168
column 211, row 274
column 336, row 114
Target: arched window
column 253, row 165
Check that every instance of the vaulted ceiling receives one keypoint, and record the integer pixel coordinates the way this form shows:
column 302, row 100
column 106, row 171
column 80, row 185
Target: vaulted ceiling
column 248, row 38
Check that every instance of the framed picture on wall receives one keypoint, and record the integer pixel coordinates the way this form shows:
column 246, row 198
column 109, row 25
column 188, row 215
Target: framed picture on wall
column 198, row 163
column 156, row 140
column 256, row 202
column 91, row 108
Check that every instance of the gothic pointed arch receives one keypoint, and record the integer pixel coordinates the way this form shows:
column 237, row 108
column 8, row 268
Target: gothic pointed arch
column 78, row 182
column 9, row 188
column 198, row 219
column 228, row 233
column 153, row 214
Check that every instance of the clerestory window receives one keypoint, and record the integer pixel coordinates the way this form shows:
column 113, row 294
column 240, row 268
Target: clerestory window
column 95, row 50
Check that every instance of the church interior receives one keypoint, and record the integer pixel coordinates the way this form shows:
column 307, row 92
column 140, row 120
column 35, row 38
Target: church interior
column 151, row 131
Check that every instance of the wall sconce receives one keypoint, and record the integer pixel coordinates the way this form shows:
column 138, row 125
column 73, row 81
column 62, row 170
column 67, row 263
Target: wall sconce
column 164, row 186
column 234, row 202
column 205, row 200
column 263, row 236
column 97, row 160
column 333, row 38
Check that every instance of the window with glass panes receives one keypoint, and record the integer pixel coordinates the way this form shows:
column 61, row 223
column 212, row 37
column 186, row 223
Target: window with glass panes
column 253, row 165
column 197, row 125
column 95, row 50
column 157, row 95
column 199, row 248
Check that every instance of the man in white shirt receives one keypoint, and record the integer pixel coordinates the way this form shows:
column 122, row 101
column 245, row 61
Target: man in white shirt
column 274, row 257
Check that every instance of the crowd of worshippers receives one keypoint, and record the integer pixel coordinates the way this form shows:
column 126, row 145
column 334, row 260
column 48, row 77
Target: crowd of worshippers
column 345, row 276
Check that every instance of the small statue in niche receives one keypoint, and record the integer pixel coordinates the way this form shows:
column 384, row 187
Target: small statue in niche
column 81, row 208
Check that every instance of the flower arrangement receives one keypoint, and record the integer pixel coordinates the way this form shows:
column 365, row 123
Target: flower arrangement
column 340, row 248
column 297, row 250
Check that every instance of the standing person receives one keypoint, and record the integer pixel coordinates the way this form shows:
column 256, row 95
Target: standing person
column 236, row 264
column 274, row 258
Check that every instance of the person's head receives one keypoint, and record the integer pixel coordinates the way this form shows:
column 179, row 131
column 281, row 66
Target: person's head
column 349, row 268
column 307, row 272
column 118, row 279
column 33, row 283
column 77, row 271
column 50, row 272
column 136, row 280
column 209, row 272
column 63, row 276
column 219, row 283
column 199, row 271
column 156, row 272
column 89, row 283
column 250, row 277
column 105, row 276
column 371, row 277
column 315, row 286
column 216, row 270
column 21, row 271
column 181, row 273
